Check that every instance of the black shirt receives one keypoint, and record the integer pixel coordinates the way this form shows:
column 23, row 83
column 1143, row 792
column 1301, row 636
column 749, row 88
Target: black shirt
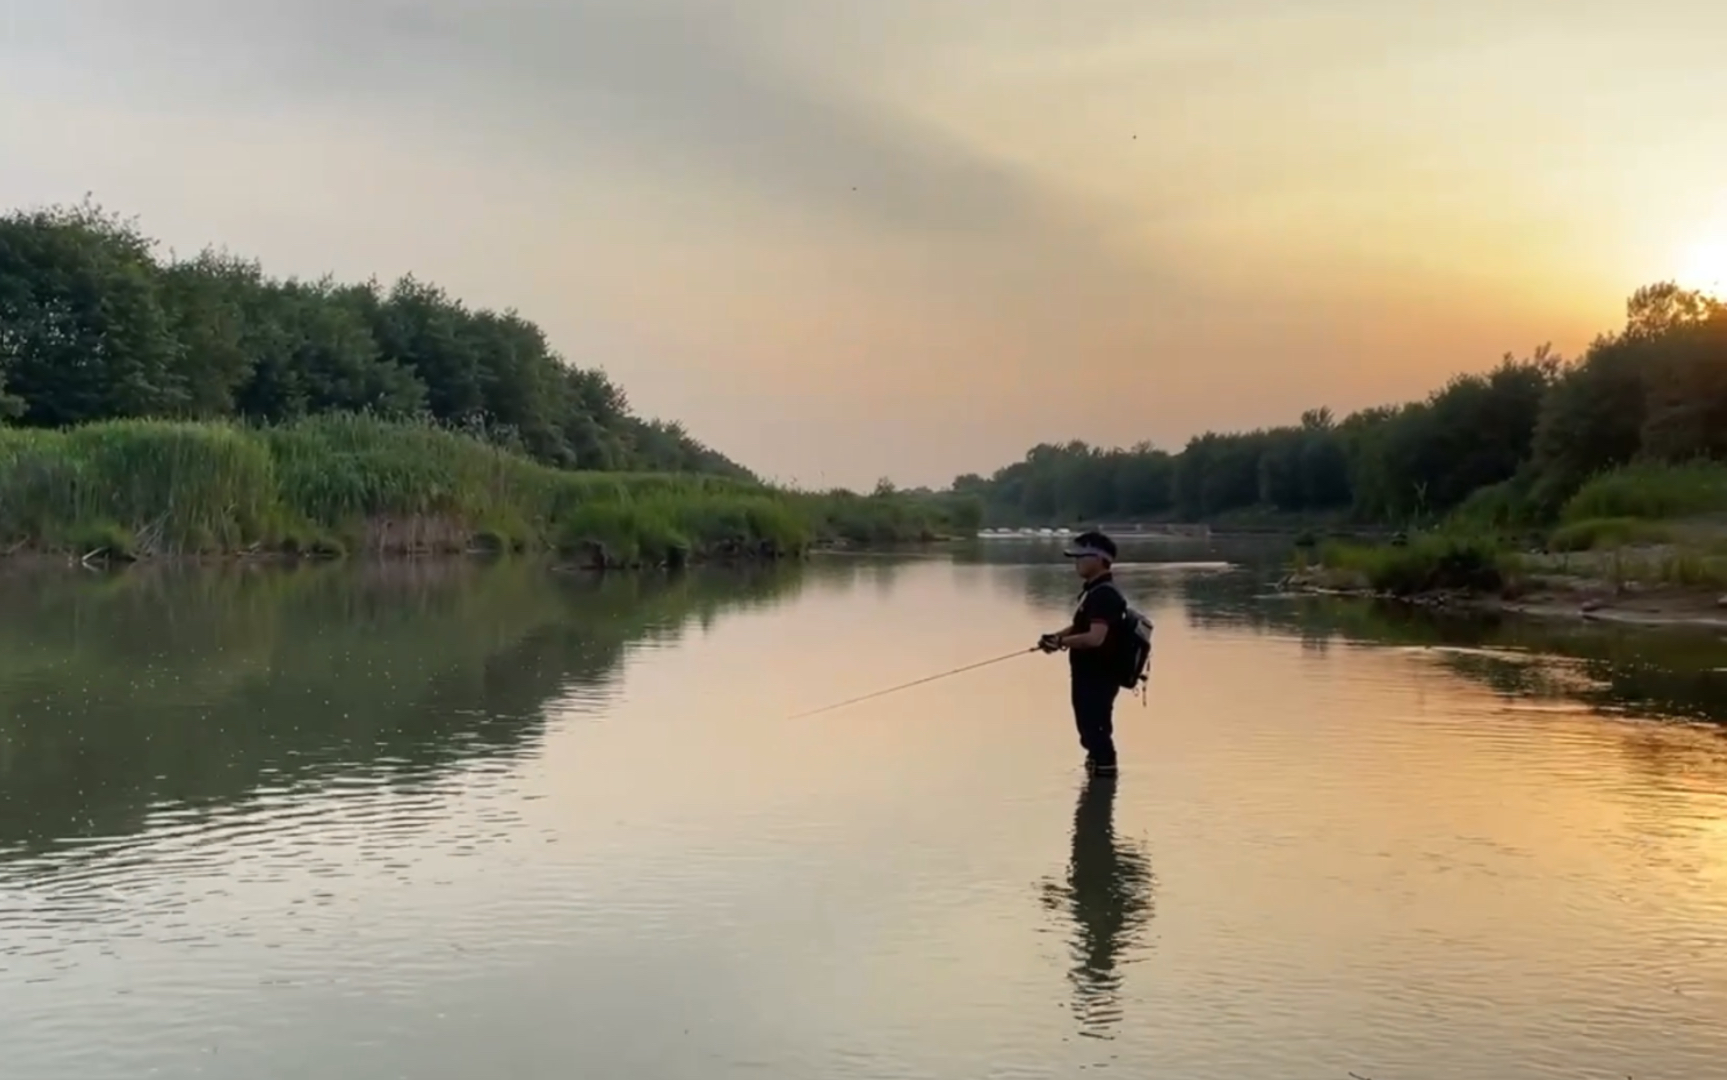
column 1099, row 601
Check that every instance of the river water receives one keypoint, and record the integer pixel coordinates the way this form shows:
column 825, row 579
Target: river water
column 457, row 821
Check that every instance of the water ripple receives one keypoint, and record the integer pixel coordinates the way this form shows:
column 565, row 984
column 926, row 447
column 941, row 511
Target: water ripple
column 1331, row 851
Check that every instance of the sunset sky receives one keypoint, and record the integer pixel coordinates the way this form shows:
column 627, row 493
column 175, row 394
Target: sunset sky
column 914, row 237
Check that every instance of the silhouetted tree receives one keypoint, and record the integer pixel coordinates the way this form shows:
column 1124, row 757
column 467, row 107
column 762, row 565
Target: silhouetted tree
column 1531, row 431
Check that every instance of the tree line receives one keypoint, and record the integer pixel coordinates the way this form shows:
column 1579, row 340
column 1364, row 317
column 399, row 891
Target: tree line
column 1509, row 445
column 94, row 326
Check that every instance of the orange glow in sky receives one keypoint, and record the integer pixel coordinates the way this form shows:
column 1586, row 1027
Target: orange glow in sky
column 914, row 237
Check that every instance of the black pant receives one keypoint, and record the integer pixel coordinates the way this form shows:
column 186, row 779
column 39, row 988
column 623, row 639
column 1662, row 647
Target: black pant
column 1094, row 716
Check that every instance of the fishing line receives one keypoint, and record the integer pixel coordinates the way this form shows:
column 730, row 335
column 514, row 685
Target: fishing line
column 915, row 682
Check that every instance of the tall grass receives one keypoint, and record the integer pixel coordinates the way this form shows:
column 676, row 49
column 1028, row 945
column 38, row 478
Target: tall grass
column 1427, row 563
column 1504, row 507
column 1651, row 492
column 166, row 485
column 1591, row 534
column 1692, row 570
column 344, row 481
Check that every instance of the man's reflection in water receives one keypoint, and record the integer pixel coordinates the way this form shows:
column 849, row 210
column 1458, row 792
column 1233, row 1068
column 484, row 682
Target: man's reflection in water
column 1108, row 897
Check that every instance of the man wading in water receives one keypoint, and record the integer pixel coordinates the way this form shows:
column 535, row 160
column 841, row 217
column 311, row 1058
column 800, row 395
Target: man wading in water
column 1091, row 661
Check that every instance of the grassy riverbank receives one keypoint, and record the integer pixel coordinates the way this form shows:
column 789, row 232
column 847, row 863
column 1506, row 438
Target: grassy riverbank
column 345, row 483
column 1646, row 542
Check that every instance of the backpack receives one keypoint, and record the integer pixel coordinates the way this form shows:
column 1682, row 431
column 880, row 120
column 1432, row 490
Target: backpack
column 1131, row 651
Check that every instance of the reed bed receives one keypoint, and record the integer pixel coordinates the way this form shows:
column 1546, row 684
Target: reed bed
column 338, row 483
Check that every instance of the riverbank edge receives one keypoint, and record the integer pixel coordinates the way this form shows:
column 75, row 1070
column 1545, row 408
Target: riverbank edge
column 1578, row 600
column 593, row 558
column 338, row 484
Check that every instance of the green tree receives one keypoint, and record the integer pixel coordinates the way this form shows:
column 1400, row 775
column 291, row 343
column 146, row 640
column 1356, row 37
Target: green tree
column 419, row 327
column 1144, row 477
column 83, row 333
column 206, row 304
column 92, row 326
column 314, row 352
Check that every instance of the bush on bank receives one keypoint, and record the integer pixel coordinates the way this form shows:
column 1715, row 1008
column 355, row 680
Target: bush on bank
column 1431, row 562
column 1651, row 491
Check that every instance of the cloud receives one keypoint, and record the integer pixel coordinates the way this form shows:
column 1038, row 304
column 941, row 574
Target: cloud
column 664, row 87
column 750, row 127
column 938, row 208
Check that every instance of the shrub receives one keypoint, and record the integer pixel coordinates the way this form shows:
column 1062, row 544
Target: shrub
column 1651, row 492
column 1427, row 563
column 1499, row 507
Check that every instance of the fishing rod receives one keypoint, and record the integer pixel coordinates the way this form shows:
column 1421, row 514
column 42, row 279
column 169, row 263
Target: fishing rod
column 916, row 682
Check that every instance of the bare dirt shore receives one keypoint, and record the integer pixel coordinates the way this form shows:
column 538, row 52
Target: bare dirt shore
column 1545, row 597
column 1660, row 606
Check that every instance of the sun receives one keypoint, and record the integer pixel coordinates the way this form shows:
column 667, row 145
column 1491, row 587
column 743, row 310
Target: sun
column 1703, row 263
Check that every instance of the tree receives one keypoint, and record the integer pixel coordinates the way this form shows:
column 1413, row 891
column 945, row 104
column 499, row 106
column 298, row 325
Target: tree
column 206, row 301
column 423, row 330
column 1655, row 310
column 1591, row 419
column 1685, row 408
column 92, row 326
column 313, row 352
column 83, row 334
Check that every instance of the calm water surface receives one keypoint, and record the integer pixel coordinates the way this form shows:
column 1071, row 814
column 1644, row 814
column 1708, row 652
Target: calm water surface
column 462, row 821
